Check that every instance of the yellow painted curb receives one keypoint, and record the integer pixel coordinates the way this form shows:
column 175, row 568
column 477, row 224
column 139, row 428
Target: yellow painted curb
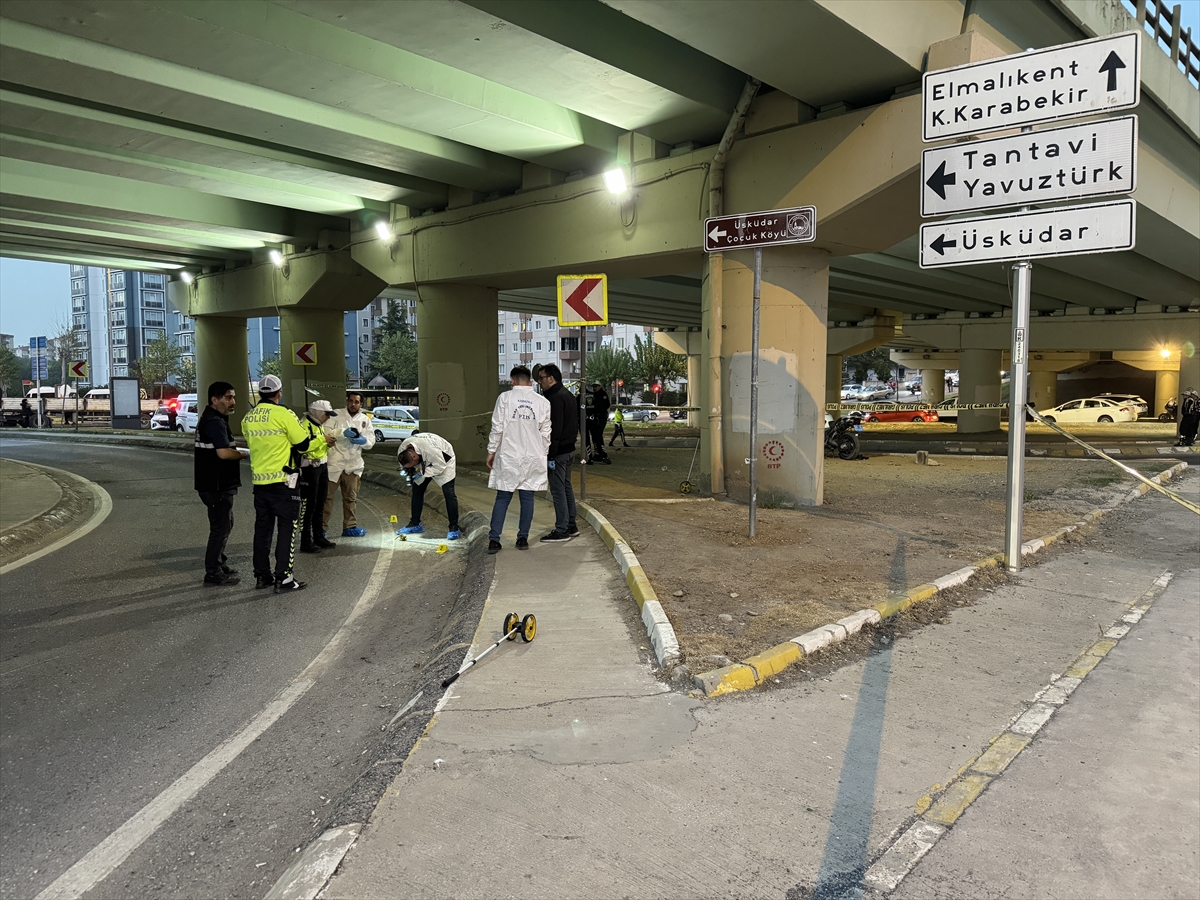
column 737, row 677
column 609, row 535
column 1101, row 648
column 894, row 606
column 957, row 798
column 1082, row 666
column 639, row 584
column 773, row 661
column 1004, row 750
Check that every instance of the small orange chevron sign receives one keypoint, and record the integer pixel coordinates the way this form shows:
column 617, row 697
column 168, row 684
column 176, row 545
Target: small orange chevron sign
column 304, row 353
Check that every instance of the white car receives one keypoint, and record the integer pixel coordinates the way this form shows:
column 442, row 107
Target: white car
column 875, row 392
column 851, row 391
column 394, row 423
column 1090, row 411
column 187, row 415
column 1140, row 406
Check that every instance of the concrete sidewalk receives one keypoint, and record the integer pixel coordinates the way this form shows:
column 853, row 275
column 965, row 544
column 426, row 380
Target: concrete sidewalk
column 563, row 768
column 25, row 493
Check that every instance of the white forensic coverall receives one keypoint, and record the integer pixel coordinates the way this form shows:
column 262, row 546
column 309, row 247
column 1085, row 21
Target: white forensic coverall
column 433, row 450
column 343, row 455
column 520, row 439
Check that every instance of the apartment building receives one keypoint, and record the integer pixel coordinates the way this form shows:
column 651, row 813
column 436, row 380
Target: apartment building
column 118, row 312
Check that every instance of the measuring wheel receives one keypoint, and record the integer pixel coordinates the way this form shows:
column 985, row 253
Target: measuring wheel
column 685, row 487
column 510, row 622
column 528, row 628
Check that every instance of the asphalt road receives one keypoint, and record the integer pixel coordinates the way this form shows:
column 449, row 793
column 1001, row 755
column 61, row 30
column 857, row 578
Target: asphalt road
column 120, row 672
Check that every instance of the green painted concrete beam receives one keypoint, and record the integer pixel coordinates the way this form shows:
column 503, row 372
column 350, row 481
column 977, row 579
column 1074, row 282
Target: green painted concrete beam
column 22, row 178
column 472, row 165
column 369, row 181
column 603, row 33
column 529, row 127
column 85, row 247
column 113, row 238
column 223, row 182
column 17, row 251
column 121, row 228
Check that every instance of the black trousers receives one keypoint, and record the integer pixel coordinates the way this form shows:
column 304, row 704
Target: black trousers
column 314, row 487
column 220, row 525
column 277, row 507
column 1188, row 426
column 418, row 502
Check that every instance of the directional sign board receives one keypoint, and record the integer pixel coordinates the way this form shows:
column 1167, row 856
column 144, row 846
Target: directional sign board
column 304, row 353
column 1068, row 231
column 77, row 369
column 1069, row 163
column 1084, row 78
column 582, row 300
column 761, row 229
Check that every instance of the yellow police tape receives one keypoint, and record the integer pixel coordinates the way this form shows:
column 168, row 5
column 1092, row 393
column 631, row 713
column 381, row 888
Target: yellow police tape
column 1186, row 504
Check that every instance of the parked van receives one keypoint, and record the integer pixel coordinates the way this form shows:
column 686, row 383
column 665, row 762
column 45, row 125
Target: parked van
column 49, row 392
column 98, row 394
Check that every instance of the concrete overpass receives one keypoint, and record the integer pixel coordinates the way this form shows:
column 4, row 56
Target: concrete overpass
column 458, row 148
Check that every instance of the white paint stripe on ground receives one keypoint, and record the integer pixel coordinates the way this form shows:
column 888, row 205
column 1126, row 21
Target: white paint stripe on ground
column 103, row 859
column 889, row 870
column 103, row 506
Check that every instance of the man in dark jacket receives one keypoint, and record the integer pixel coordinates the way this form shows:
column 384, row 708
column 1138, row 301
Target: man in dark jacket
column 218, row 478
column 564, row 426
column 597, row 421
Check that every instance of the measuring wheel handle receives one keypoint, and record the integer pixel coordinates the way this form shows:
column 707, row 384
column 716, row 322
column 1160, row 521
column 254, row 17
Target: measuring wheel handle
column 528, row 628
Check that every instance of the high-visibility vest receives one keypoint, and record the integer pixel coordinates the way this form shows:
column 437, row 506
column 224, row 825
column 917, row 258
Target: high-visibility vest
column 318, row 447
column 271, row 431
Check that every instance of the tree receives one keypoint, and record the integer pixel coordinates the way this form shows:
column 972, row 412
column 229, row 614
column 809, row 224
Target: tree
column 608, row 366
column 68, row 346
column 161, row 359
column 395, row 320
column 396, row 359
column 878, row 361
column 269, row 365
column 655, row 365
column 187, row 375
column 12, row 370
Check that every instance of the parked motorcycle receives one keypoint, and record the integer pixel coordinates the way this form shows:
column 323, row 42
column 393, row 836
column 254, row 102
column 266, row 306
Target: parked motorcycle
column 841, row 437
column 1170, row 414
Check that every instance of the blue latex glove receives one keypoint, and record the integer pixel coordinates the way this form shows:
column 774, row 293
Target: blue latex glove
column 358, row 441
column 350, row 433
column 550, row 464
column 419, row 478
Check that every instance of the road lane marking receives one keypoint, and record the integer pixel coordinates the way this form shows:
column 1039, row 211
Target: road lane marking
column 102, row 506
column 110, row 853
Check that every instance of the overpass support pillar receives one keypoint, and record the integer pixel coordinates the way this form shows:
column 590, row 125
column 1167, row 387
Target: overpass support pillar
column 458, row 365
column 221, row 356
column 694, row 370
column 325, row 328
column 833, row 378
column 1043, row 389
column 979, row 382
column 791, row 374
column 933, row 386
column 1166, row 387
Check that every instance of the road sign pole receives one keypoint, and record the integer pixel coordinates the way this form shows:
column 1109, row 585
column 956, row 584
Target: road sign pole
column 1018, row 388
column 582, row 413
column 754, row 392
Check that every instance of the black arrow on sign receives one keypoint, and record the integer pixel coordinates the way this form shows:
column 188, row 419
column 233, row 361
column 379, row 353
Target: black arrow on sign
column 940, row 244
column 1110, row 65
column 939, row 179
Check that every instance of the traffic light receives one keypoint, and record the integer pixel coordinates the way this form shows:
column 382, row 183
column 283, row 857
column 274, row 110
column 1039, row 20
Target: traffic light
column 657, row 388
column 620, row 382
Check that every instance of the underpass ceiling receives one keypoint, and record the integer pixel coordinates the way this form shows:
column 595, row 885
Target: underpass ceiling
column 147, row 133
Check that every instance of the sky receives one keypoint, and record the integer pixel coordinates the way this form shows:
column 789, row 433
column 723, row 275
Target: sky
column 34, row 297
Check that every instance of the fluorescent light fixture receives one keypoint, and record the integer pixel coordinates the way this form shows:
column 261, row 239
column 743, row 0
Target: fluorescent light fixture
column 381, row 229
column 276, row 257
column 187, row 277
column 614, row 180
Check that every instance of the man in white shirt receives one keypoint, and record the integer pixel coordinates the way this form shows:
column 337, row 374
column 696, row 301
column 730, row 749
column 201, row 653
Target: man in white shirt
column 349, row 433
column 517, row 448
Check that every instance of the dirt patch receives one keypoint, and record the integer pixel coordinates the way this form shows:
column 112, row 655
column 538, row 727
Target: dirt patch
column 887, row 525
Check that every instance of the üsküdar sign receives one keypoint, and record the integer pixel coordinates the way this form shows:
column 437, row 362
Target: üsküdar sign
column 1068, row 163
column 1069, row 231
column 760, row 229
column 1079, row 79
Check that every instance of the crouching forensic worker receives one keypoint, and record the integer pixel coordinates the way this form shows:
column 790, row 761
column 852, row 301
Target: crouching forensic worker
column 425, row 457
column 276, row 439
column 517, row 448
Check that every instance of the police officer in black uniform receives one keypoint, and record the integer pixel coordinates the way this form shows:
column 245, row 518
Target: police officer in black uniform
column 218, row 477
